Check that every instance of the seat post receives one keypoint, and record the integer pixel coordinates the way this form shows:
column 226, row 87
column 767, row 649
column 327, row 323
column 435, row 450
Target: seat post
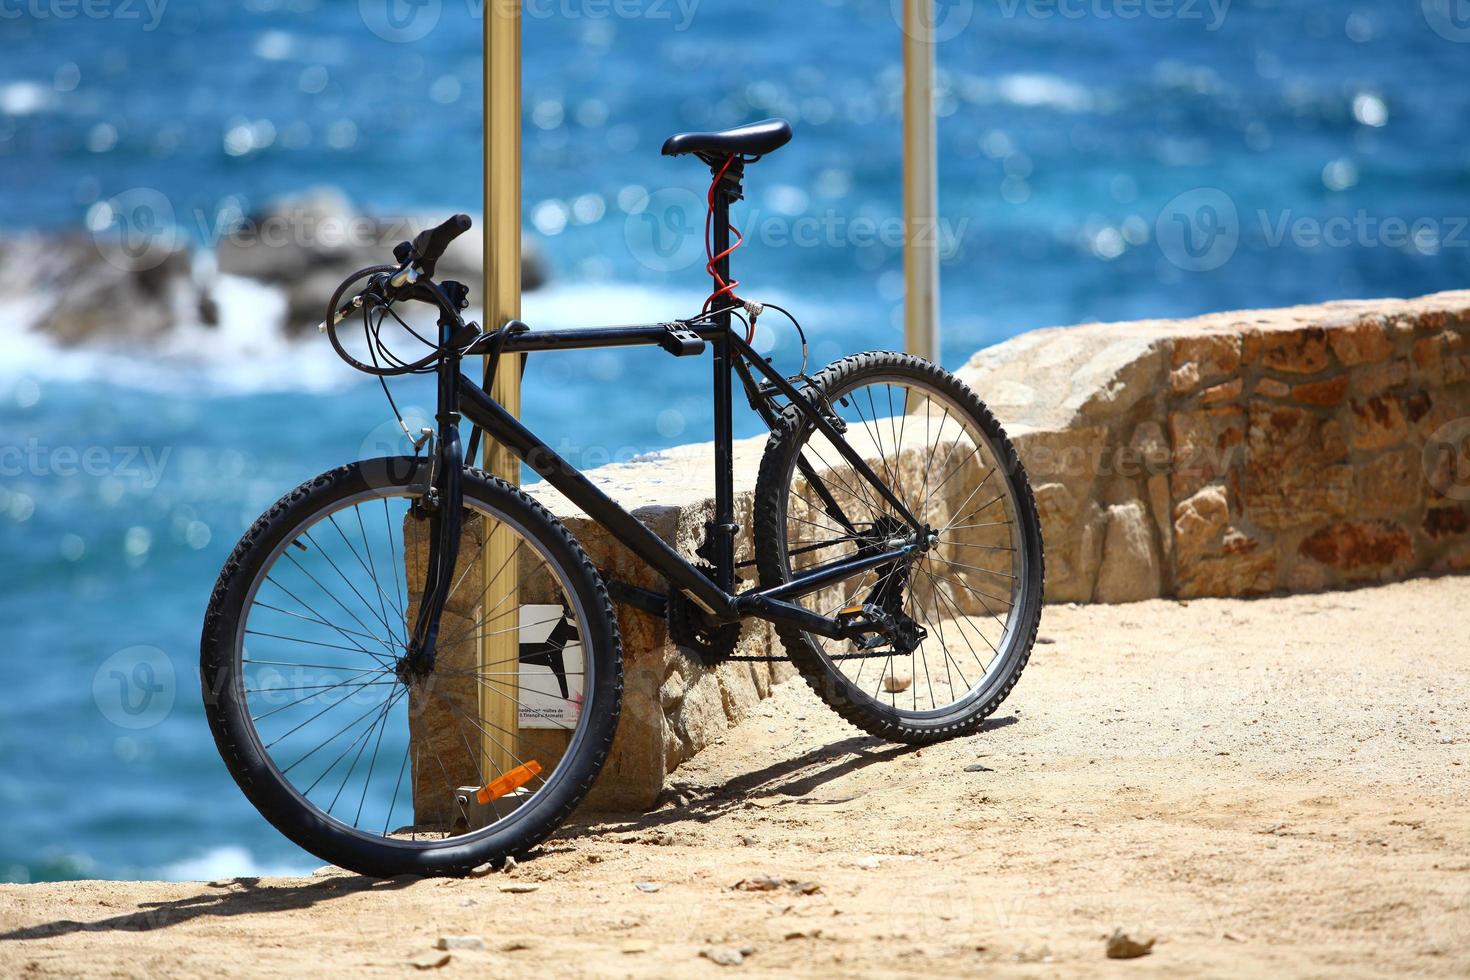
column 721, row 531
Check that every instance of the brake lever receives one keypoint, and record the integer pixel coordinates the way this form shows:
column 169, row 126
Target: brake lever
column 356, row 303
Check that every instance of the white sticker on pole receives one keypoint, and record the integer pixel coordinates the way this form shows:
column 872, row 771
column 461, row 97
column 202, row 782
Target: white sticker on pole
column 551, row 668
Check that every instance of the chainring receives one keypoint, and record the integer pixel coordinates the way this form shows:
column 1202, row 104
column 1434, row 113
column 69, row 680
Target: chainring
column 696, row 634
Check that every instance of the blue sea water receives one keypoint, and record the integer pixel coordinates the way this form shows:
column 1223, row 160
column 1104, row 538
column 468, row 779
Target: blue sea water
column 1100, row 159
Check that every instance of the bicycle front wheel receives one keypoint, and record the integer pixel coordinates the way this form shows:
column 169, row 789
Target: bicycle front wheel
column 364, row 758
column 964, row 605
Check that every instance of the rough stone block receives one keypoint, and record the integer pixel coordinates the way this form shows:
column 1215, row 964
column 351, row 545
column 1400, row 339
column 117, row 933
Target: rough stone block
column 1363, row 342
column 1325, row 393
column 1296, row 472
column 1299, row 351
column 1229, row 575
column 1130, row 564
column 1447, row 521
column 1377, row 422
column 1272, row 388
column 1360, row 546
column 1226, row 391
column 1198, row 524
column 1207, row 444
column 1390, row 483
column 1211, row 356
column 1376, row 378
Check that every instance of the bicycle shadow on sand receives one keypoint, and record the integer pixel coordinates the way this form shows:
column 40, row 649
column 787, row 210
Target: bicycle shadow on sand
column 795, row 780
column 243, row 897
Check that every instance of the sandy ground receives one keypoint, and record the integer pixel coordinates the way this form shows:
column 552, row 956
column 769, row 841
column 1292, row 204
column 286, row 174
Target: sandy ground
column 1277, row 786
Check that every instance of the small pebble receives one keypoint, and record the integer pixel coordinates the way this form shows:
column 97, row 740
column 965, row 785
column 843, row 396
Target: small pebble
column 1121, row 946
column 647, row 886
column 460, row 942
column 723, row 955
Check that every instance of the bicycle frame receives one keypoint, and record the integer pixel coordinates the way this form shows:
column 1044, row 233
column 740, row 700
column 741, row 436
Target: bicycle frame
column 459, row 397
column 483, row 411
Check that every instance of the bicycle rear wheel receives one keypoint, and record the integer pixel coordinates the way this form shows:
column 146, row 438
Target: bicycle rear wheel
column 966, row 602
column 371, row 765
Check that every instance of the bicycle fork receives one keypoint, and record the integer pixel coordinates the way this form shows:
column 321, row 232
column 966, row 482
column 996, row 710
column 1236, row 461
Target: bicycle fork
column 444, row 506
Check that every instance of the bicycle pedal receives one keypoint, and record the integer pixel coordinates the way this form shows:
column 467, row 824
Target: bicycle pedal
column 681, row 341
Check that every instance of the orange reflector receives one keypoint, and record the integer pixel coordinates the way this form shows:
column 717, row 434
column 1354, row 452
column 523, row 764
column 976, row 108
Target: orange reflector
column 852, row 610
column 509, row 783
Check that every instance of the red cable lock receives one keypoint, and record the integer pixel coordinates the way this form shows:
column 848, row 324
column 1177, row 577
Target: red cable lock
column 724, row 288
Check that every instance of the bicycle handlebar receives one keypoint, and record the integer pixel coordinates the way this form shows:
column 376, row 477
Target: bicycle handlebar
column 430, row 244
column 423, row 254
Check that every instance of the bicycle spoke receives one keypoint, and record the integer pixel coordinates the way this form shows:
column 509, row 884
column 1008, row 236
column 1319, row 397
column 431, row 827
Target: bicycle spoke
column 333, row 626
column 333, row 687
column 923, row 476
column 343, row 576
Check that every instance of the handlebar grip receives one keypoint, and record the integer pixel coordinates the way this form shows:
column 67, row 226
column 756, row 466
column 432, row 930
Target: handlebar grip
column 431, row 243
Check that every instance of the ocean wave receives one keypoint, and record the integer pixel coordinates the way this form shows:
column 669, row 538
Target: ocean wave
column 1032, row 90
column 248, row 351
column 231, row 861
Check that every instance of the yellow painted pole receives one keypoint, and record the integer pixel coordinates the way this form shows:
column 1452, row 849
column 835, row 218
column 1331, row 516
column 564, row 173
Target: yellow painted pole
column 500, row 642
column 920, row 183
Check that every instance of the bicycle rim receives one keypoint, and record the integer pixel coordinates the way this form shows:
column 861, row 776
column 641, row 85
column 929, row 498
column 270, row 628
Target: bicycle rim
column 412, row 762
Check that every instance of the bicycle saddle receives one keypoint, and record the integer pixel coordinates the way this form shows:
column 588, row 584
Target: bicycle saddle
column 753, row 139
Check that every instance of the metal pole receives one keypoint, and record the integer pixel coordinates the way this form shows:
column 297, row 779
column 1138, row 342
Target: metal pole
column 920, row 183
column 500, row 642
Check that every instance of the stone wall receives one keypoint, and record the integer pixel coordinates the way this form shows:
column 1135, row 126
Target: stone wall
column 1243, row 453
column 1229, row 455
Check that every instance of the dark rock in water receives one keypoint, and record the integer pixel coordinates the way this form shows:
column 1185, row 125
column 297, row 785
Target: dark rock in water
column 94, row 287
column 138, row 284
column 309, row 243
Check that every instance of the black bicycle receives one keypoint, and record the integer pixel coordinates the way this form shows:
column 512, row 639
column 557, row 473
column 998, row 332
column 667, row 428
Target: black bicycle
column 410, row 666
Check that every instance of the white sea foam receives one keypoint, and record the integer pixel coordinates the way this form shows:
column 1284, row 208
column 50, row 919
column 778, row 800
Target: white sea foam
column 249, row 351
column 231, row 861
column 1040, row 89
